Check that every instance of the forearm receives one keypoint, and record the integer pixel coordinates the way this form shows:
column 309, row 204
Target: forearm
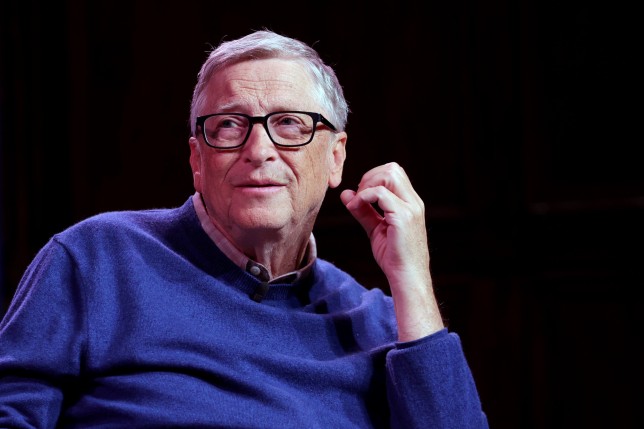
column 417, row 311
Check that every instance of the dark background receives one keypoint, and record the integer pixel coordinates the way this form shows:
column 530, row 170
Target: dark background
column 519, row 123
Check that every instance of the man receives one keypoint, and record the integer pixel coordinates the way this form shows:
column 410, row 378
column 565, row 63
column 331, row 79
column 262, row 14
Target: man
column 218, row 313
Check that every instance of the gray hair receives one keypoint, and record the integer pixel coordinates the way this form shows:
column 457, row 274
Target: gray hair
column 266, row 44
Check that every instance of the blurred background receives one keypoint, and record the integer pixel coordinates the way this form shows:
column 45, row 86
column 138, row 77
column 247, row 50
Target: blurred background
column 517, row 122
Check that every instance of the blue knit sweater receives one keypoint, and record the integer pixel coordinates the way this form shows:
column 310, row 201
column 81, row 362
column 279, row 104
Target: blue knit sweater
column 136, row 319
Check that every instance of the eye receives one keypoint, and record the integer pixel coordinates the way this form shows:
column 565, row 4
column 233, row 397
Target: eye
column 287, row 119
column 226, row 129
column 230, row 122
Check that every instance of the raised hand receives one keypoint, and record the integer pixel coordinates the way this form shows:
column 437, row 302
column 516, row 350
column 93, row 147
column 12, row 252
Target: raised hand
column 398, row 236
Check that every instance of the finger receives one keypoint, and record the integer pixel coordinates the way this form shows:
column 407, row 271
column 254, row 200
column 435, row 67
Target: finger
column 393, row 177
column 395, row 211
column 347, row 195
column 361, row 210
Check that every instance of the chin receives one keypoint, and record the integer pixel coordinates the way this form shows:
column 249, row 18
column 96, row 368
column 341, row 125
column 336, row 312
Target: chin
column 264, row 218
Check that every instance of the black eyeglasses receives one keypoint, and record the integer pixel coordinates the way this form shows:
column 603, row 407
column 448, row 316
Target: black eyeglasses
column 286, row 129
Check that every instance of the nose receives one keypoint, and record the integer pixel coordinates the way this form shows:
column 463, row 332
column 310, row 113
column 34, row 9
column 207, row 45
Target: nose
column 259, row 147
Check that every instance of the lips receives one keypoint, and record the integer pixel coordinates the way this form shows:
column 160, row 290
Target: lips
column 258, row 183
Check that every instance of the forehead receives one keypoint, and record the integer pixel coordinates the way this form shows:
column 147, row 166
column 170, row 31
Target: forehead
column 261, row 84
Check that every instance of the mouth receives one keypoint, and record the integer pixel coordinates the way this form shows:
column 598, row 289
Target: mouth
column 258, row 185
column 258, row 181
column 263, row 187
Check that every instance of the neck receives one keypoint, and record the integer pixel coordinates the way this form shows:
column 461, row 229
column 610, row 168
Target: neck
column 280, row 255
column 280, row 250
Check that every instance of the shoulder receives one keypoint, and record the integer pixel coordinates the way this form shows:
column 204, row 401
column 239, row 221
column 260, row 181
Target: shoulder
column 119, row 225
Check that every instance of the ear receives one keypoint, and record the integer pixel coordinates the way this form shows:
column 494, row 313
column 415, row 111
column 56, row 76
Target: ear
column 338, row 155
column 195, row 163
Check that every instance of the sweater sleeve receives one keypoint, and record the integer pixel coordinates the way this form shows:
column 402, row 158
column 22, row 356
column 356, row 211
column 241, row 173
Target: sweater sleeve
column 430, row 385
column 41, row 337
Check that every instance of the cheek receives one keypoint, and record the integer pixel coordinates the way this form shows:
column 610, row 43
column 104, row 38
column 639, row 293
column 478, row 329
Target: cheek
column 316, row 170
column 213, row 171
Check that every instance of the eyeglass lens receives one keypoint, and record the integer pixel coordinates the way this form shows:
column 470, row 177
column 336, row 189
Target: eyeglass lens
column 284, row 128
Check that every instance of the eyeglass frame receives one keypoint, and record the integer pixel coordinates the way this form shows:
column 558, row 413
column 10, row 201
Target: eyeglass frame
column 317, row 118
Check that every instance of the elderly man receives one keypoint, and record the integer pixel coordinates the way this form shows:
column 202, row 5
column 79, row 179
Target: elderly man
column 218, row 313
